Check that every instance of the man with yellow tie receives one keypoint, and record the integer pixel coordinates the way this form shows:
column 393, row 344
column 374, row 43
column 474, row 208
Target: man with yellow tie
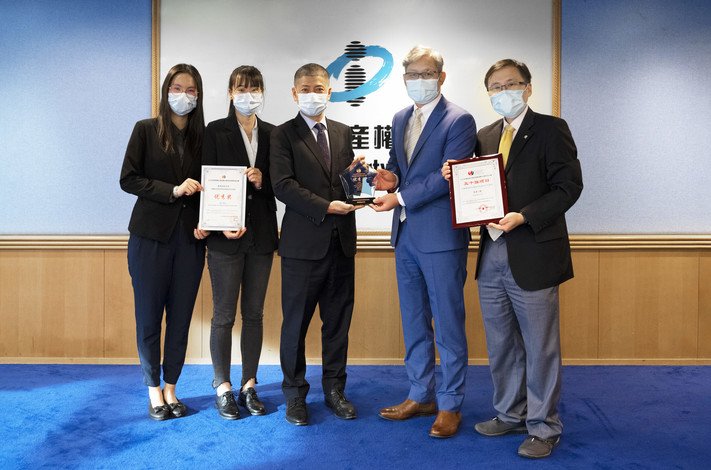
column 523, row 258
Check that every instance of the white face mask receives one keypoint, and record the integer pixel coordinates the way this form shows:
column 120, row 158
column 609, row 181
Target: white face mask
column 312, row 104
column 248, row 103
column 508, row 103
column 422, row 91
column 181, row 103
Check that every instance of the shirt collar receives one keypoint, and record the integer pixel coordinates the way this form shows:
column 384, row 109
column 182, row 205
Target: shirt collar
column 311, row 123
column 426, row 109
column 516, row 123
column 254, row 129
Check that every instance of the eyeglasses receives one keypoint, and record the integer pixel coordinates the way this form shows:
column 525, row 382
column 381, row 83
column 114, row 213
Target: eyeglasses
column 511, row 85
column 178, row 89
column 427, row 75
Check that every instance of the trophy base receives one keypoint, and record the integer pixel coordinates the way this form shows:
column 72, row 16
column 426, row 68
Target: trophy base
column 361, row 201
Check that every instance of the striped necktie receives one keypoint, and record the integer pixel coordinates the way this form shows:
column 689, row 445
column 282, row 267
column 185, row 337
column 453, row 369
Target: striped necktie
column 414, row 135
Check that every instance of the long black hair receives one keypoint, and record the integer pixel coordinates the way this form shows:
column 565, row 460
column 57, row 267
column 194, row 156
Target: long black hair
column 196, row 119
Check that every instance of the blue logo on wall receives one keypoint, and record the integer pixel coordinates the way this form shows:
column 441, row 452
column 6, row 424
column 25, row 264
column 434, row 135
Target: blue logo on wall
column 357, row 87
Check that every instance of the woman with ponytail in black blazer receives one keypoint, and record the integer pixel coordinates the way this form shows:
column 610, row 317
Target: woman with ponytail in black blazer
column 241, row 260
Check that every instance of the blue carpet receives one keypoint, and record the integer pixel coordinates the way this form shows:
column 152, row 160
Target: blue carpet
column 77, row 416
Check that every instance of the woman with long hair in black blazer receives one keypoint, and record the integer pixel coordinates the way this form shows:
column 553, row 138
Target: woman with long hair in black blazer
column 241, row 260
column 166, row 253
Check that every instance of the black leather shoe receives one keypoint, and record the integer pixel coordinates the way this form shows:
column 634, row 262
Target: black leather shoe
column 296, row 411
column 159, row 413
column 178, row 409
column 250, row 400
column 337, row 401
column 227, row 406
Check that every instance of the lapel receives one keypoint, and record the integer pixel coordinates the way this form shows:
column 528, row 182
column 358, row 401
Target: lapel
column 492, row 139
column 523, row 135
column 234, row 136
column 303, row 131
column 335, row 140
column 262, row 146
column 432, row 123
column 399, row 139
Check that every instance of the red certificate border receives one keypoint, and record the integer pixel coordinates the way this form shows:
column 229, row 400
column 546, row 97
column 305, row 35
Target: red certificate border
column 504, row 195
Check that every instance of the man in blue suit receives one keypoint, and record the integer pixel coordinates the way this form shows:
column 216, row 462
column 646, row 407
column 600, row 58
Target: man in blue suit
column 430, row 256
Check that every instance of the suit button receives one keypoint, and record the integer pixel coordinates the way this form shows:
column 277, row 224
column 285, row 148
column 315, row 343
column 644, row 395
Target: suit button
column 249, row 197
column 185, row 205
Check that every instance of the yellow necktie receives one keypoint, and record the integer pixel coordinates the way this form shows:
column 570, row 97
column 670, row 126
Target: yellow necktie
column 505, row 143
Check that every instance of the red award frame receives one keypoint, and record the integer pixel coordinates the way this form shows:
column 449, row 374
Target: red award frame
column 477, row 191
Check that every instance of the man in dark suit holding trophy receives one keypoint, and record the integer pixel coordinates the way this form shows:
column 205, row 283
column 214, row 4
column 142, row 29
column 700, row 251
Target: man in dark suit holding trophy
column 318, row 242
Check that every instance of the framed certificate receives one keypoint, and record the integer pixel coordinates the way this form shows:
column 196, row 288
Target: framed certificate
column 477, row 191
column 223, row 198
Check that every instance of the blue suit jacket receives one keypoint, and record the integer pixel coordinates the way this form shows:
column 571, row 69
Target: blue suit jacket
column 450, row 133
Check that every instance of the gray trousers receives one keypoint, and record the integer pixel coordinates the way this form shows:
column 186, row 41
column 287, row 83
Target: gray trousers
column 230, row 274
column 523, row 340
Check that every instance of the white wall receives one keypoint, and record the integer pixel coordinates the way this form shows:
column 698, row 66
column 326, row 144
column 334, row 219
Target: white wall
column 279, row 36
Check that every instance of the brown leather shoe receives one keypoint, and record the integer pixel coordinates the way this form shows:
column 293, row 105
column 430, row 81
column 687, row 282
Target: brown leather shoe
column 446, row 424
column 408, row 409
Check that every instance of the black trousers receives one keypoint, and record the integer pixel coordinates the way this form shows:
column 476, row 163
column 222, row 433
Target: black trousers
column 328, row 282
column 229, row 273
column 165, row 276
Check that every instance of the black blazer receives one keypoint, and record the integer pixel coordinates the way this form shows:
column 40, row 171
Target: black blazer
column 304, row 184
column 543, row 180
column 150, row 173
column 224, row 145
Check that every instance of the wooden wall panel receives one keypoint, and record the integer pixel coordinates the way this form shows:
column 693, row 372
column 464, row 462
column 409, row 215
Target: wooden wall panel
column 205, row 301
column 120, row 323
column 57, row 300
column 376, row 329
column 10, row 263
column 623, row 306
column 272, row 316
column 579, row 322
column 649, row 304
column 704, row 335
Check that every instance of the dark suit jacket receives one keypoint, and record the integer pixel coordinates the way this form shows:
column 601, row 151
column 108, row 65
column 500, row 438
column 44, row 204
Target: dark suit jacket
column 543, row 180
column 304, row 184
column 150, row 173
column 224, row 145
column 450, row 133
